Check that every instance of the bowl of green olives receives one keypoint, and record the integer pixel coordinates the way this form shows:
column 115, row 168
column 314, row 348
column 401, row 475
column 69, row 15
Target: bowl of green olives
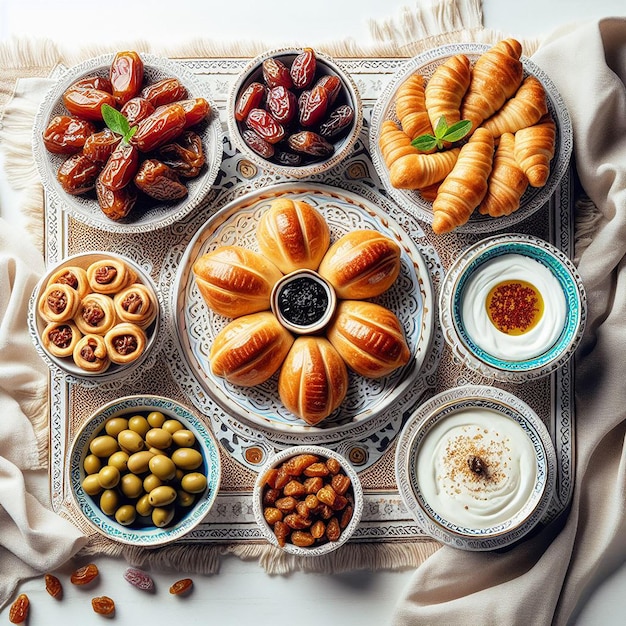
column 144, row 470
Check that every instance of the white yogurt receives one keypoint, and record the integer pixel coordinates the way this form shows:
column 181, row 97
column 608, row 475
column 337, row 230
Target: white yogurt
column 471, row 493
column 483, row 332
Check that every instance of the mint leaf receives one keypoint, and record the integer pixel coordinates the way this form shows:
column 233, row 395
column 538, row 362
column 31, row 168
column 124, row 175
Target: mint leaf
column 425, row 143
column 458, row 131
column 117, row 122
column 441, row 128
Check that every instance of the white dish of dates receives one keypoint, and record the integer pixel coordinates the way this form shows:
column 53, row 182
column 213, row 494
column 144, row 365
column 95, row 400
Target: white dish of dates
column 128, row 142
column 294, row 111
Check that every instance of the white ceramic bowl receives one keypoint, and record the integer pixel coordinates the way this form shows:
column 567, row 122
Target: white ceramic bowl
column 152, row 214
column 498, row 360
column 115, row 372
column 310, row 166
column 454, row 498
column 532, row 200
column 144, row 533
column 355, row 494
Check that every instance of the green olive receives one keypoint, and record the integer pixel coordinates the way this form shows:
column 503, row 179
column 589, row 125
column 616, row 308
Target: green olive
column 162, row 516
column 119, row 459
column 184, row 438
column 92, row 464
column 139, row 424
column 109, row 477
column 151, row 482
column 162, row 496
column 91, row 485
column 187, row 458
column 143, row 506
column 109, row 501
column 130, row 441
column 138, row 462
column 184, row 498
column 155, row 451
column 103, row 446
column 115, row 425
column 179, row 475
column 172, row 426
column 194, row 482
column 156, row 419
column 131, row 485
column 125, row 515
column 162, row 466
column 159, row 438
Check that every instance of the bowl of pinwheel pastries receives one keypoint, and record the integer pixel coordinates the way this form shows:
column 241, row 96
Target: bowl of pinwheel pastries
column 471, row 137
column 95, row 316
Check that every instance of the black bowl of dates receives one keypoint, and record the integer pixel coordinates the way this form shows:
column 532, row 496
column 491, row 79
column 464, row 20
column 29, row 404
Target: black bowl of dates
column 294, row 112
column 128, row 142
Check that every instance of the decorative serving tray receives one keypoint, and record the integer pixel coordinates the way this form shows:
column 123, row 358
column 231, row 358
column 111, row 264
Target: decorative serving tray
column 244, row 446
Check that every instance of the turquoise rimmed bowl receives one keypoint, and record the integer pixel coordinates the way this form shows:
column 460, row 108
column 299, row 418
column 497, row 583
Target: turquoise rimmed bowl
column 484, row 348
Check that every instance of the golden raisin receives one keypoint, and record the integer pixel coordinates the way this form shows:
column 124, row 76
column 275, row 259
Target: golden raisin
column 84, row 575
column 181, row 586
column 18, row 612
column 103, row 605
column 53, row 586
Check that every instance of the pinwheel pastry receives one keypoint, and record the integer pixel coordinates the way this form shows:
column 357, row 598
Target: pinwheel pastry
column 313, row 379
column 90, row 354
column 60, row 338
column 136, row 304
column 125, row 342
column 293, row 235
column 73, row 276
column 58, row 303
column 109, row 276
column 95, row 314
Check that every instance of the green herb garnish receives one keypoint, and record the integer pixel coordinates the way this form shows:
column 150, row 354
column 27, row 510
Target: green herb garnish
column 117, row 122
column 443, row 134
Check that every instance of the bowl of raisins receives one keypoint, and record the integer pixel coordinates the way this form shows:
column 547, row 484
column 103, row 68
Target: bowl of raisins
column 295, row 112
column 128, row 142
column 307, row 500
column 144, row 470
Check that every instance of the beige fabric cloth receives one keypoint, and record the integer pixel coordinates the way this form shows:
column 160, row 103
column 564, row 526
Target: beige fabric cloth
column 545, row 578
column 32, row 539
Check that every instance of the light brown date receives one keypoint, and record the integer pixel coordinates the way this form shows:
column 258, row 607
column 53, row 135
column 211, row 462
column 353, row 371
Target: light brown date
column 196, row 110
column 165, row 124
column 185, row 156
column 78, row 174
column 120, row 167
column 99, row 146
column 53, row 586
column 164, row 91
column 137, row 109
column 67, row 134
column 159, row 181
column 116, row 204
column 126, row 76
column 103, row 605
column 87, row 102
column 18, row 613
column 84, row 575
column 182, row 586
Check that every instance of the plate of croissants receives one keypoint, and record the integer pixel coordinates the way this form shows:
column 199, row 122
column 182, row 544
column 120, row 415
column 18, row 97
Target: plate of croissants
column 471, row 137
column 303, row 308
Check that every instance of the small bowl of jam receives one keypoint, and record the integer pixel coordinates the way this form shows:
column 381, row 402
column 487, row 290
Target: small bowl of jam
column 513, row 308
column 303, row 302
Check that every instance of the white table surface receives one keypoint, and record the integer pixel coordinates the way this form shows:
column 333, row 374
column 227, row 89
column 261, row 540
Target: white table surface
column 242, row 592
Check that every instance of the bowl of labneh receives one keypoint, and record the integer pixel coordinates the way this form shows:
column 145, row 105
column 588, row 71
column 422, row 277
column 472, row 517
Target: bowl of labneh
column 513, row 308
column 475, row 466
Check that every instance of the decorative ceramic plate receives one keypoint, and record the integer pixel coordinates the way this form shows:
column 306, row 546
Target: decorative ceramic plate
column 411, row 298
column 532, row 200
column 472, row 349
column 140, row 534
column 450, row 403
column 85, row 208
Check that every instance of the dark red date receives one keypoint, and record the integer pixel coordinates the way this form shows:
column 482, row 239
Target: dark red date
column 120, row 167
column 78, row 174
column 276, row 73
column 66, row 134
column 282, row 104
column 261, row 122
column 337, row 121
column 303, row 69
column 126, row 76
column 165, row 124
column 308, row 142
column 164, row 91
column 313, row 108
column 251, row 98
column 258, row 144
column 332, row 85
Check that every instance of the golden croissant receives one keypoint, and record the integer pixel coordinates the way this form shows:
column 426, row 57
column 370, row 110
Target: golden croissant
column 416, row 171
column 465, row 186
column 394, row 143
column 411, row 107
column 507, row 181
column 446, row 88
column 496, row 76
column 534, row 149
column 525, row 108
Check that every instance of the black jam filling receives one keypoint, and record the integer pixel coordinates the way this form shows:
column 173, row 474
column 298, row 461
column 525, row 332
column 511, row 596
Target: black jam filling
column 303, row 301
